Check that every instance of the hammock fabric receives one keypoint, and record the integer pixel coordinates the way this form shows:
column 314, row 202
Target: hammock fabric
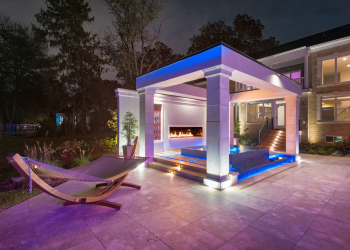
column 46, row 170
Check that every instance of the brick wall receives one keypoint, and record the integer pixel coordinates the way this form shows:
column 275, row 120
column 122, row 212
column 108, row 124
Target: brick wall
column 318, row 130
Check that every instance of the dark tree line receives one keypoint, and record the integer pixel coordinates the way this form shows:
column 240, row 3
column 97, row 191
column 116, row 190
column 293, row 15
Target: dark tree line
column 56, row 65
column 245, row 34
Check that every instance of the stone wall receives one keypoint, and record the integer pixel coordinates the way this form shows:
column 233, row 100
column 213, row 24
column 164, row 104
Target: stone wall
column 304, row 105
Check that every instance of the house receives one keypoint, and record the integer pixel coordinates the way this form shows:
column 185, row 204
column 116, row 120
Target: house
column 321, row 63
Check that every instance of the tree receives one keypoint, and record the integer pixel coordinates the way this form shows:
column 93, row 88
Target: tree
column 77, row 58
column 245, row 34
column 21, row 51
column 159, row 55
column 130, row 45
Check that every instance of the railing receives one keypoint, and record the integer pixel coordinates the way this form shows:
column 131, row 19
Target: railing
column 263, row 129
column 301, row 81
column 19, row 129
column 344, row 114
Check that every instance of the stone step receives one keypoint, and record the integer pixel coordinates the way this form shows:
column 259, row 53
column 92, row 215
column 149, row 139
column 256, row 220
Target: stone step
column 182, row 164
column 185, row 173
column 265, row 144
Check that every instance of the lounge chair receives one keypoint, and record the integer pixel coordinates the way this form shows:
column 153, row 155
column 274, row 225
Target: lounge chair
column 112, row 170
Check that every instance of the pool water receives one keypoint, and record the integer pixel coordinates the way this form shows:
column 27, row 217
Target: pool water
column 233, row 149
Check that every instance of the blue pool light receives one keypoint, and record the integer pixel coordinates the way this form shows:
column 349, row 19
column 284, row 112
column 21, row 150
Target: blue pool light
column 235, row 149
column 258, row 170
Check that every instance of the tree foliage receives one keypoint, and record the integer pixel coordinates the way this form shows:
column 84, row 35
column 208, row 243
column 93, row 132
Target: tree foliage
column 132, row 48
column 77, row 58
column 245, row 34
column 22, row 53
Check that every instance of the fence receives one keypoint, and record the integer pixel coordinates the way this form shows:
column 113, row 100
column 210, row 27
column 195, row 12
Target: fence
column 19, row 129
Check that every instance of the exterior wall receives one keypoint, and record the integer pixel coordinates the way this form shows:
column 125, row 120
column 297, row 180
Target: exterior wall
column 318, row 130
column 127, row 100
column 176, row 114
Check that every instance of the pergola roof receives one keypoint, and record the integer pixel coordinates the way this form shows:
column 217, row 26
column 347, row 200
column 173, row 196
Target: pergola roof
column 244, row 69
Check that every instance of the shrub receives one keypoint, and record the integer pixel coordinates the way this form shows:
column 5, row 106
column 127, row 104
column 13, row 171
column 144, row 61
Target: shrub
column 342, row 146
column 97, row 148
column 246, row 140
column 110, row 144
column 322, row 151
column 82, row 159
column 44, row 154
column 71, row 149
column 311, row 151
column 237, row 127
column 113, row 124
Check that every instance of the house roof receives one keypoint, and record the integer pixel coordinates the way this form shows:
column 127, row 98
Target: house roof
column 325, row 36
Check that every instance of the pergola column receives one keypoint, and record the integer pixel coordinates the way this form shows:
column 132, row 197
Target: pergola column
column 147, row 122
column 292, row 124
column 218, row 136
column 232, row 122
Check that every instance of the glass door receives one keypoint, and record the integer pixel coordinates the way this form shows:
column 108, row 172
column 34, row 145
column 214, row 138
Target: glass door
column 281, row 116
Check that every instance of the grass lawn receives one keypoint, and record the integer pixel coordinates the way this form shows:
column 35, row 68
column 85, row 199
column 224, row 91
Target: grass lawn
column 15, row 196
column 16, row 144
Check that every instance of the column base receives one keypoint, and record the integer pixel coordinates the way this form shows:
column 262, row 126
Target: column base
column 220, row 185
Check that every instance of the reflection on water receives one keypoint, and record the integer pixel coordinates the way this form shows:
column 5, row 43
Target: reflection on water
column 233, row 149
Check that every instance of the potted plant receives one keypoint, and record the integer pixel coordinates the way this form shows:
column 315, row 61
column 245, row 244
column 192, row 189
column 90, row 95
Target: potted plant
column 129, row 127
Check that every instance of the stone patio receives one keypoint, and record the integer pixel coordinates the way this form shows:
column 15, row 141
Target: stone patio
column 303, row 205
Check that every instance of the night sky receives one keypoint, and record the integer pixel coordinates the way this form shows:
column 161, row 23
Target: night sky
column 286, row 20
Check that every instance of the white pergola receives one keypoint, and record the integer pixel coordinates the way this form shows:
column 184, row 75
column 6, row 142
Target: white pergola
column 218, row 65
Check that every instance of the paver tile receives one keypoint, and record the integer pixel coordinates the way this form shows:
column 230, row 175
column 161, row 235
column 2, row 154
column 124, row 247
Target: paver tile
column 192, row 237
column 163, row 224
column 251, row 238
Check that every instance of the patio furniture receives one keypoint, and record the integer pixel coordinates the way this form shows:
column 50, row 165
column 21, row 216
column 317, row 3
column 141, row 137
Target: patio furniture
column 112, row 170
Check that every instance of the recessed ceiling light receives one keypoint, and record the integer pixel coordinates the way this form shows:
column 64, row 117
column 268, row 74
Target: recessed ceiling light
column 348, row 65
column 344, row 59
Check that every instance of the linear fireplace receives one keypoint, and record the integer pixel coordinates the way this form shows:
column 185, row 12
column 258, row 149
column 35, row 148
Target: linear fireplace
column 184, row 132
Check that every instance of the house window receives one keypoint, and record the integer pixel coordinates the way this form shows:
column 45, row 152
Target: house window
column 257, row 111
column 157, row 122
column 336, row 70
column 335, row 109
column 343, row 69
column 333, row 138
column 293, row 75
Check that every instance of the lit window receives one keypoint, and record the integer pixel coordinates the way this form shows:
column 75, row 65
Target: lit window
column 328, row 71
column 328, row 108
column 336, row 109
column 257, row 112
column 157, row 122
column 343, row 108
column 331, row 75
column 343, row 69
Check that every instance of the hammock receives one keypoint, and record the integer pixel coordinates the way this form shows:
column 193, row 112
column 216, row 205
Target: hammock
column 111, row 170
